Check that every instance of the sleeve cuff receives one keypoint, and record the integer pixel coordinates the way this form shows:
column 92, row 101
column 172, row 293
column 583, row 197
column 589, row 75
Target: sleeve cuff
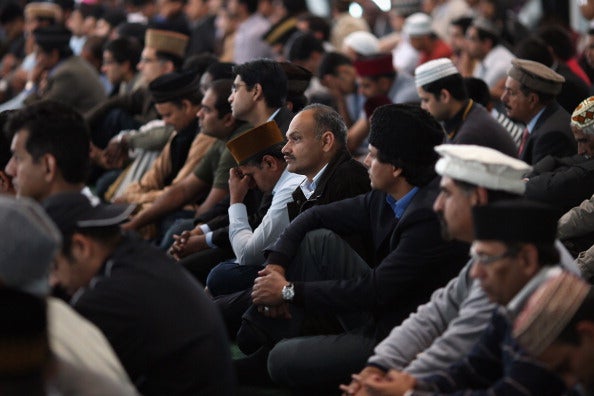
column 205, row 229
column 208, row 239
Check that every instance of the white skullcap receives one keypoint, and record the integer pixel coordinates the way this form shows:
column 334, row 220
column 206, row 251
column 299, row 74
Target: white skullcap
column 362, row 42
column 418, row 24
column 482, row 166
column 434, row 70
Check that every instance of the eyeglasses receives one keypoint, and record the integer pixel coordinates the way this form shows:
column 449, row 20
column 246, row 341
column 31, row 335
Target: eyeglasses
column 485, row 259
column 235, row 87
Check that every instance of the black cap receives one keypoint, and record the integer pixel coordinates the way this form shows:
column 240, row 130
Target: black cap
column 172, row 86
column 518, row 220
column 52, row 37
column 74, row 211
column 405, row 132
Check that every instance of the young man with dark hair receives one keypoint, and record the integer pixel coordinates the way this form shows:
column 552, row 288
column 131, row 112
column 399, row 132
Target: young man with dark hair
column 259, row 92
column 442, row 92
column 42, row 163
column 311, row 269
column 120, row 57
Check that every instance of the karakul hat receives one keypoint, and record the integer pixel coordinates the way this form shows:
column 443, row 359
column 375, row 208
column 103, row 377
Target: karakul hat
column 548, row 311
column 434, row 70
column 40, row 9
column 482, row 166
column 52, row 37
column 254, row 141
column 405, row 132
column 536, row 76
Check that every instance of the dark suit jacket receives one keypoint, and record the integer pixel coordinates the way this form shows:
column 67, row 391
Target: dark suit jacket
column 551, row 136
column 74, row 82
column 412, row 258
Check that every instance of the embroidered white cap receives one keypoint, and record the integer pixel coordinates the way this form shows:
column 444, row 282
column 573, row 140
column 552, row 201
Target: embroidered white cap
column 482, row 166
column 418, row 24
column 434, row 70
column 362, row 42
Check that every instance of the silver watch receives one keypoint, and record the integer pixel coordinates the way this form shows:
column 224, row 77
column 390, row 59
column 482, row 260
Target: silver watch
column 288, row 292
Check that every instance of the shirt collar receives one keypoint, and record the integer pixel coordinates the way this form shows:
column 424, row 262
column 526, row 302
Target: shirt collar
column 516, row 304
column 308, row 187
column 532, row 123
column 399, row 206
column 273, row 115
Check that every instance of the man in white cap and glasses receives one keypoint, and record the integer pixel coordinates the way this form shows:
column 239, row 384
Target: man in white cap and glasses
column 442, row 92
column 444, row 329
column 86, row 363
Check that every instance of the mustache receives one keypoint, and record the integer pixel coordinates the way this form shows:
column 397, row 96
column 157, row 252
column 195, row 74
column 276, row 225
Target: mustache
column 289, row 157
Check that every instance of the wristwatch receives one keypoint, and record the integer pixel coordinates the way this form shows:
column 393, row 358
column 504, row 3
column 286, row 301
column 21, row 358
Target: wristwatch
column 288, row 292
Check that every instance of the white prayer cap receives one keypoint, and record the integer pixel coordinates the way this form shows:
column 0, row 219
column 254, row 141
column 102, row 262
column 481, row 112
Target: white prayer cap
column 418, row 24
column 362, row 42
column 482, row 166
column 434, row 70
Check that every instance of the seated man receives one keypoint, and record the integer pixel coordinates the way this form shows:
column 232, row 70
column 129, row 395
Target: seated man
column 557, row 328
column 312, row 270
column 512, row 253
column 161, row 338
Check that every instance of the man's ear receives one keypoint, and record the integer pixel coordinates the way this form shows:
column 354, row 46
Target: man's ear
column 327, row 139
column 50, row 167
column 257, row 92
column 269, row 161
column 6, row 186
column 80, row 247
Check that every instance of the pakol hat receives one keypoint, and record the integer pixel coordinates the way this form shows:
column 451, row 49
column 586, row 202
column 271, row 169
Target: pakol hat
column 536, row 76
column 434, row 70
column 517, row 220
column 548, row 311
column 172, row 86
column 482, row 166
column 254, row 141
column 375, row 65
column 166, row 41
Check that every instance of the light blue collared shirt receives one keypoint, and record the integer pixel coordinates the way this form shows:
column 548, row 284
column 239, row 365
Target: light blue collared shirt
column 399, row 206
column 532, row 123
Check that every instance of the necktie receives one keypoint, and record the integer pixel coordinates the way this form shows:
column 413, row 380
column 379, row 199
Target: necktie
column 525, row 136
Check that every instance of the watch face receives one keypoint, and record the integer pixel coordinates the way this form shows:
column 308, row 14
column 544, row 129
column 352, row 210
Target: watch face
column 288, row 292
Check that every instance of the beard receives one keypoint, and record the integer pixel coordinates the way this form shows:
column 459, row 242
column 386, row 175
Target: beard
column 445, row 232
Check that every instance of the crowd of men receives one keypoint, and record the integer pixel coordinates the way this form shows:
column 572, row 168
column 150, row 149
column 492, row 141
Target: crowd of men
column 209, row 197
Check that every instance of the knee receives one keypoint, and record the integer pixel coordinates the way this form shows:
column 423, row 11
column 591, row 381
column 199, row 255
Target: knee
column 283, row 363
column 217, row 278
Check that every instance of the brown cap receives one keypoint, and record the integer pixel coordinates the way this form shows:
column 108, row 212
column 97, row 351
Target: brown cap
column 548, row 311
column 298, row 78
column 166, row 41
column 43, row 10
column 254, row 141
column 536, row 76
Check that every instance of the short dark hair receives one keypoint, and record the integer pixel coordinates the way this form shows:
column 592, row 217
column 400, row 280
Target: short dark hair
column 559, row 40
column 5, row 153
column 270, row 75
column 477, row 90
column 453, row 83
column 535, row 49
column 166, row 56
column 486, row 35
column 462, row 22
column 330, row 63
column 57, row 129
column 328, row 119
column 124, row 49
column 251, row 5
column 11, row 11
column 317, row 24
column 302, row 45
column 199, row 62
column 222, row 90
column 106, row 236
